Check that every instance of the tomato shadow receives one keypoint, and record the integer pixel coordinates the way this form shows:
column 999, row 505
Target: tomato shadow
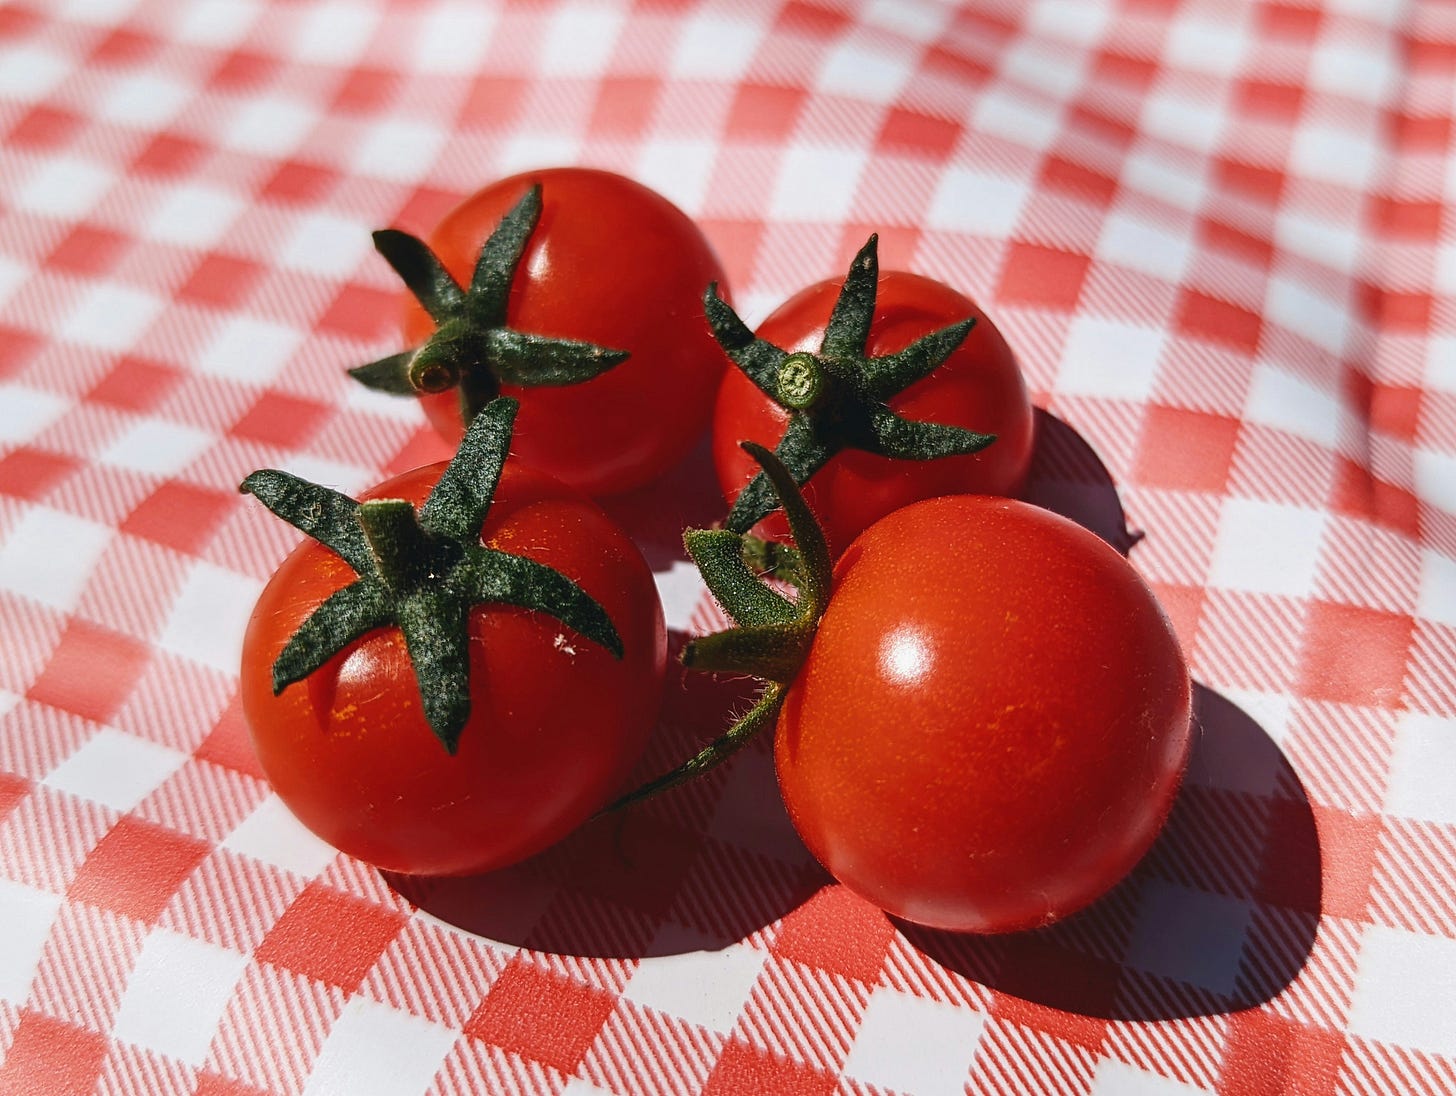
column 1068, row 477
column 698, row 868
column 686, row 496
column 1221, row 915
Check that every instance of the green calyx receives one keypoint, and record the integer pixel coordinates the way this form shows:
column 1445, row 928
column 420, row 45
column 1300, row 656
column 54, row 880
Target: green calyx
column 771, row 635
column 472, row 349
column 422, row 571
column 836, row 397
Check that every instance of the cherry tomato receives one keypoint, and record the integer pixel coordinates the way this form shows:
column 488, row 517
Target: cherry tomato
column 992, row 720
column 615, row 264
column 978, row 387
column 556, row 721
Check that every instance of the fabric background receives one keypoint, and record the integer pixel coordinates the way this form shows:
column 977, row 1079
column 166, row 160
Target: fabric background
column 1218, row 234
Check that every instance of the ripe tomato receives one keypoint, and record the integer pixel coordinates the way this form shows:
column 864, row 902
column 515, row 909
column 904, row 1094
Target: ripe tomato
column 615, row 264
column 992, row 720
column 556, row 721
column 978, row 387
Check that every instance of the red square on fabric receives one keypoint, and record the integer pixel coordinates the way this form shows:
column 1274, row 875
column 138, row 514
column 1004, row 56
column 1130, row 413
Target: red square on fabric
column 1410, row 220
column 919, row 133
column 1268, row 99
column 1078, row 180
column 135, row 384
column 1045, row 276
column 1186, row 450
column 839, row 932
column 91, row 671
column 27, row 473
column 743, row 1070
column 13, row 789
column 330, row 936
column 303, row 183
column 1059, row 990
column 168, row 156
column 624, row 107
column 1237, row 243
column 49, row 1057
column 1393, row 311
column 800, row 17
column 764, row 112
column 179, row 515
column 1396, row 410
column 366, row 91
column 89, row 251
column 1263, row 183
column 1292, row 869
column 493, row 101
column 1287, row 21
column 229, row 744
column 17, row 348
column 364, row 312
column 45, row 128
column 1354, row 655
column 1132, row 72
column 1209, row 318
column 213, row 1084
column 1357, row 491
column 1269, row 1055
column 1414, row 132
column 540, row 1016
column 221, row 280
column 280, row 419
column 1184, row 606
column 244, row 71
column 136, row 868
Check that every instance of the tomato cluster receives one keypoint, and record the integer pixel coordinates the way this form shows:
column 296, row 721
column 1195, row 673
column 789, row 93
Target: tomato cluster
column 980, row 714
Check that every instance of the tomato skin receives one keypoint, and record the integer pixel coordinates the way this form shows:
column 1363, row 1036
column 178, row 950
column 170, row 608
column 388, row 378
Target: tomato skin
column 613, row 263
column 989, row 738
column 978, row 387
column 556, row 721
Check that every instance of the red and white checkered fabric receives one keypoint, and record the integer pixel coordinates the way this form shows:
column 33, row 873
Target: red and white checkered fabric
column 1220, row 236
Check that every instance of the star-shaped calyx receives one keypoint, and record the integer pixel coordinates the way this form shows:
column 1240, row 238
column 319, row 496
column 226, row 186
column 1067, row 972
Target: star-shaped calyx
column 473, row 350
column 836, row 397
column 422, row 571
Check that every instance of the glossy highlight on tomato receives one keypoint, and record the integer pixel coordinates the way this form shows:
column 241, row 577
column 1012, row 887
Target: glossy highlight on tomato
column 556, row 721
column 611, row 263
column 992, row 721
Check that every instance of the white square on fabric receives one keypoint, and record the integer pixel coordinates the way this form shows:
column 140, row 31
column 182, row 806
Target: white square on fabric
column 816, row 184
column 1169, row 916
column 100, row 13
column 25, row 413
column 1440, row 361
column 1203, row 45
column 30, row 73
column 116, row 769
column 270, row 125
column 857, row 72
column 708, row 988
column 325, row 244
column 143, row 99
column 977, row 202
column 336, row 32
column 918, row 20
column 208, row 617
column 1069, row 20
column 1365, row 70
column 27, row 914
column 13, row 275
column 1286, row 402
column 1192, row 123
column 580, row 41
column 1405, row 990
column 1054, row 72
column 1115, row 1078
column 157, row 447
column 1336, row 245
column 712, row 46
column 1110, row 359
column 680, row 170
column 1323, row 319
column 1420, row 769
column 273, row 835
column 1336, row 154
column 453, row 37
column 193, row 215
column 66, row 187
column 216, row 23
column 1013, row 117
column 176, row 995
column 110, row 317
column 1180, row 183
column 679, row 588
column 913, row 1044
column 1435, row 476
column 402, row 150
column 49, row 555
column 1437, row 598
column 1145, row 246
column 1267, row 548
column 249, row 351
column 375, row 1050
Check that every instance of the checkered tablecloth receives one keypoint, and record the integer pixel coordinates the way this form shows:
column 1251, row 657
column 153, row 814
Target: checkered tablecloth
column 1218, row 233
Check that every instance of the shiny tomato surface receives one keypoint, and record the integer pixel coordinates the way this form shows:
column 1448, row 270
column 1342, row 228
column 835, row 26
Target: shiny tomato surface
column 992, row 721
column 556, row 720
column 612, row 263
column 978, row 387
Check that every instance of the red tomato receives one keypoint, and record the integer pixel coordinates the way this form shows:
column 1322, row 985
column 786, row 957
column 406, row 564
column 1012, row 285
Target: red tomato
column 556, row 721
column 978, row 387
column 613, row 263
column 992, row 720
